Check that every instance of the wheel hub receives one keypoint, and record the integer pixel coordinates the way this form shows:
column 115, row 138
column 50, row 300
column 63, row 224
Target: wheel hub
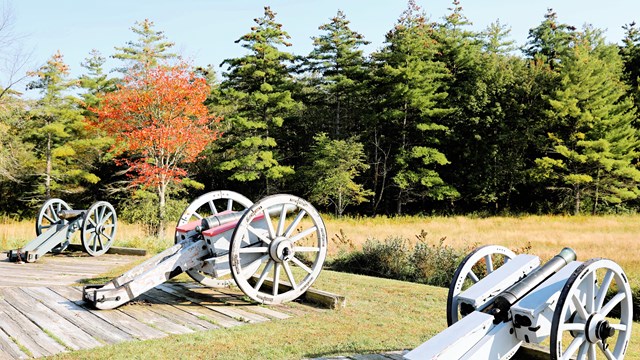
column 100, row 229
column 598, row 329
column 281, row 250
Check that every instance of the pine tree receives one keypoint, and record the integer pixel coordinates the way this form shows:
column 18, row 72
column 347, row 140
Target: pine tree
column 550, row 41
column 258, row 86
column 55, row 128
column 630, row 52
column 150, row 47
column 593, row 144
column 338, row 66
column 411, row 81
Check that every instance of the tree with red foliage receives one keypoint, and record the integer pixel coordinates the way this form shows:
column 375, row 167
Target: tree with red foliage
column 159, row 121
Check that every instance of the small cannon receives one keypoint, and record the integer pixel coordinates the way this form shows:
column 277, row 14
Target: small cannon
column 223, row 238
column 520, row 301
column 57, row 222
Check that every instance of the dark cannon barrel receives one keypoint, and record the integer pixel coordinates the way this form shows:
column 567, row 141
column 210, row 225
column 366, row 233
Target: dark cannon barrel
column 212, row 221
column 502, row 303
column 70, row 214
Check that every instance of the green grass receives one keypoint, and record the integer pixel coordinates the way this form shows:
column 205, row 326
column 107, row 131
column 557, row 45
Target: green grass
column 381, row 315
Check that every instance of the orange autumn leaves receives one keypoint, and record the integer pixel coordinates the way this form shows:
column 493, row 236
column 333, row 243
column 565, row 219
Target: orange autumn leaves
column 159, row 121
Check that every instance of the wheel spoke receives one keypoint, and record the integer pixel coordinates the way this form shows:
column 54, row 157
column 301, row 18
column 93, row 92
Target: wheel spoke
column 213, row 207
column 619, row 327
column 306, row 249
column 229, row 204
column 573, row 327
column 611, row 304
column 590, row 283
column 579, row 307
column 109, row 226
column 254, row 250
column 592, row 352
column 303, row 234
column 287, row 270
column 260, row 235
column 283, row 217
column 473, row 277
column 602, row 292
column 48, row 218
column 108, row 236
column 301, row 265
column 294, row 224
column 575, row 344
column 102, row 211
column 489, row 262
column 607, row 353
column 245, row 273
column 109, row 216
column 267, row 218
column 198, row 216
column 276, row 278
column 263, row 275
column 582, row 353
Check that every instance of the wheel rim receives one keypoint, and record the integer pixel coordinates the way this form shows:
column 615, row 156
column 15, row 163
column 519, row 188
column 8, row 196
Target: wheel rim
column 582, row 310
column 208, row 204
column 99, row 228
column 48, row 214
column 48, row 217
column 488, row 258
column 279, row 248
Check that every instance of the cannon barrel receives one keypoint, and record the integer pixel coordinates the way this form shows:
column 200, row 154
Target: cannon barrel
column 220, row 219
column 503, row 302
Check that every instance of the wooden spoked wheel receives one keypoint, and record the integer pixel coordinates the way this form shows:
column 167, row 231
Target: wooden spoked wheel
column 48, row 217
column 99, row 228
column 48, row 214
column 475, row 266
column 212, row 203
column 593, row 293
column 286, row 247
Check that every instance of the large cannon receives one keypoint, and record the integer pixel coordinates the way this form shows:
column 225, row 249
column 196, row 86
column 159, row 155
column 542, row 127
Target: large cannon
column 222, row 238
column 57, row 222
column 497, row 301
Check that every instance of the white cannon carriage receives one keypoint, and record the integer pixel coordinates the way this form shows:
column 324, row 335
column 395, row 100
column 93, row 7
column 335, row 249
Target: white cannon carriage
column 518, row 301
column 57, row 222
column 223, row 238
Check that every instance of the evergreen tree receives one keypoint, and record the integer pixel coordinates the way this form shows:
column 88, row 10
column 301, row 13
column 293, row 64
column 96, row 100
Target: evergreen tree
column 460, row 50
column 630, row 52
column 411, row 82
column 150, row 47
column 334, row 166
column 550, row 41
column 57, row 131
column 339, row 69
column 592, row 143
column 258, row 86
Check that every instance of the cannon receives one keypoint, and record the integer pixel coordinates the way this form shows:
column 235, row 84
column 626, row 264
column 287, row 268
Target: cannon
column 497, row 301
column 56, row 224
column 222, row 238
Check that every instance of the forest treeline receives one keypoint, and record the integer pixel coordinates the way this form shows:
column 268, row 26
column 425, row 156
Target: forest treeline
column 440, row 120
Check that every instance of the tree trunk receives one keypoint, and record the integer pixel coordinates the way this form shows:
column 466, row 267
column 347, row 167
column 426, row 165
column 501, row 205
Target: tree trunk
column 162, row 189
column 47, row 181
column 577, row 201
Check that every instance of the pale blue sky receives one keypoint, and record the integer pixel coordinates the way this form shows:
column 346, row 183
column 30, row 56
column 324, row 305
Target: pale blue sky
column 204, row 30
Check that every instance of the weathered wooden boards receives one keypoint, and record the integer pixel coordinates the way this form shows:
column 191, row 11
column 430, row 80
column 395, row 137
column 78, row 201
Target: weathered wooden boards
column 60, row 269
column 45, row 320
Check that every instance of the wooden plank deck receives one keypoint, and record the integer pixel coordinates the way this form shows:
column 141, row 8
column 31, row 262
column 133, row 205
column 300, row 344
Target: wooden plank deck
column 41, row 314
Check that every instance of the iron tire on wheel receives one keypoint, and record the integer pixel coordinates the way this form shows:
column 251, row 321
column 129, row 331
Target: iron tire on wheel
column 465, row 269
column 583, row 311
column 234, row 200
column 99, row 228
column 277, row 248
column 48, row 216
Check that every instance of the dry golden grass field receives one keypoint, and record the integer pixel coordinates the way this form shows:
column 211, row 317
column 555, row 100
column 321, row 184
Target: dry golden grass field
column 392, row 324
column 613, row 237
